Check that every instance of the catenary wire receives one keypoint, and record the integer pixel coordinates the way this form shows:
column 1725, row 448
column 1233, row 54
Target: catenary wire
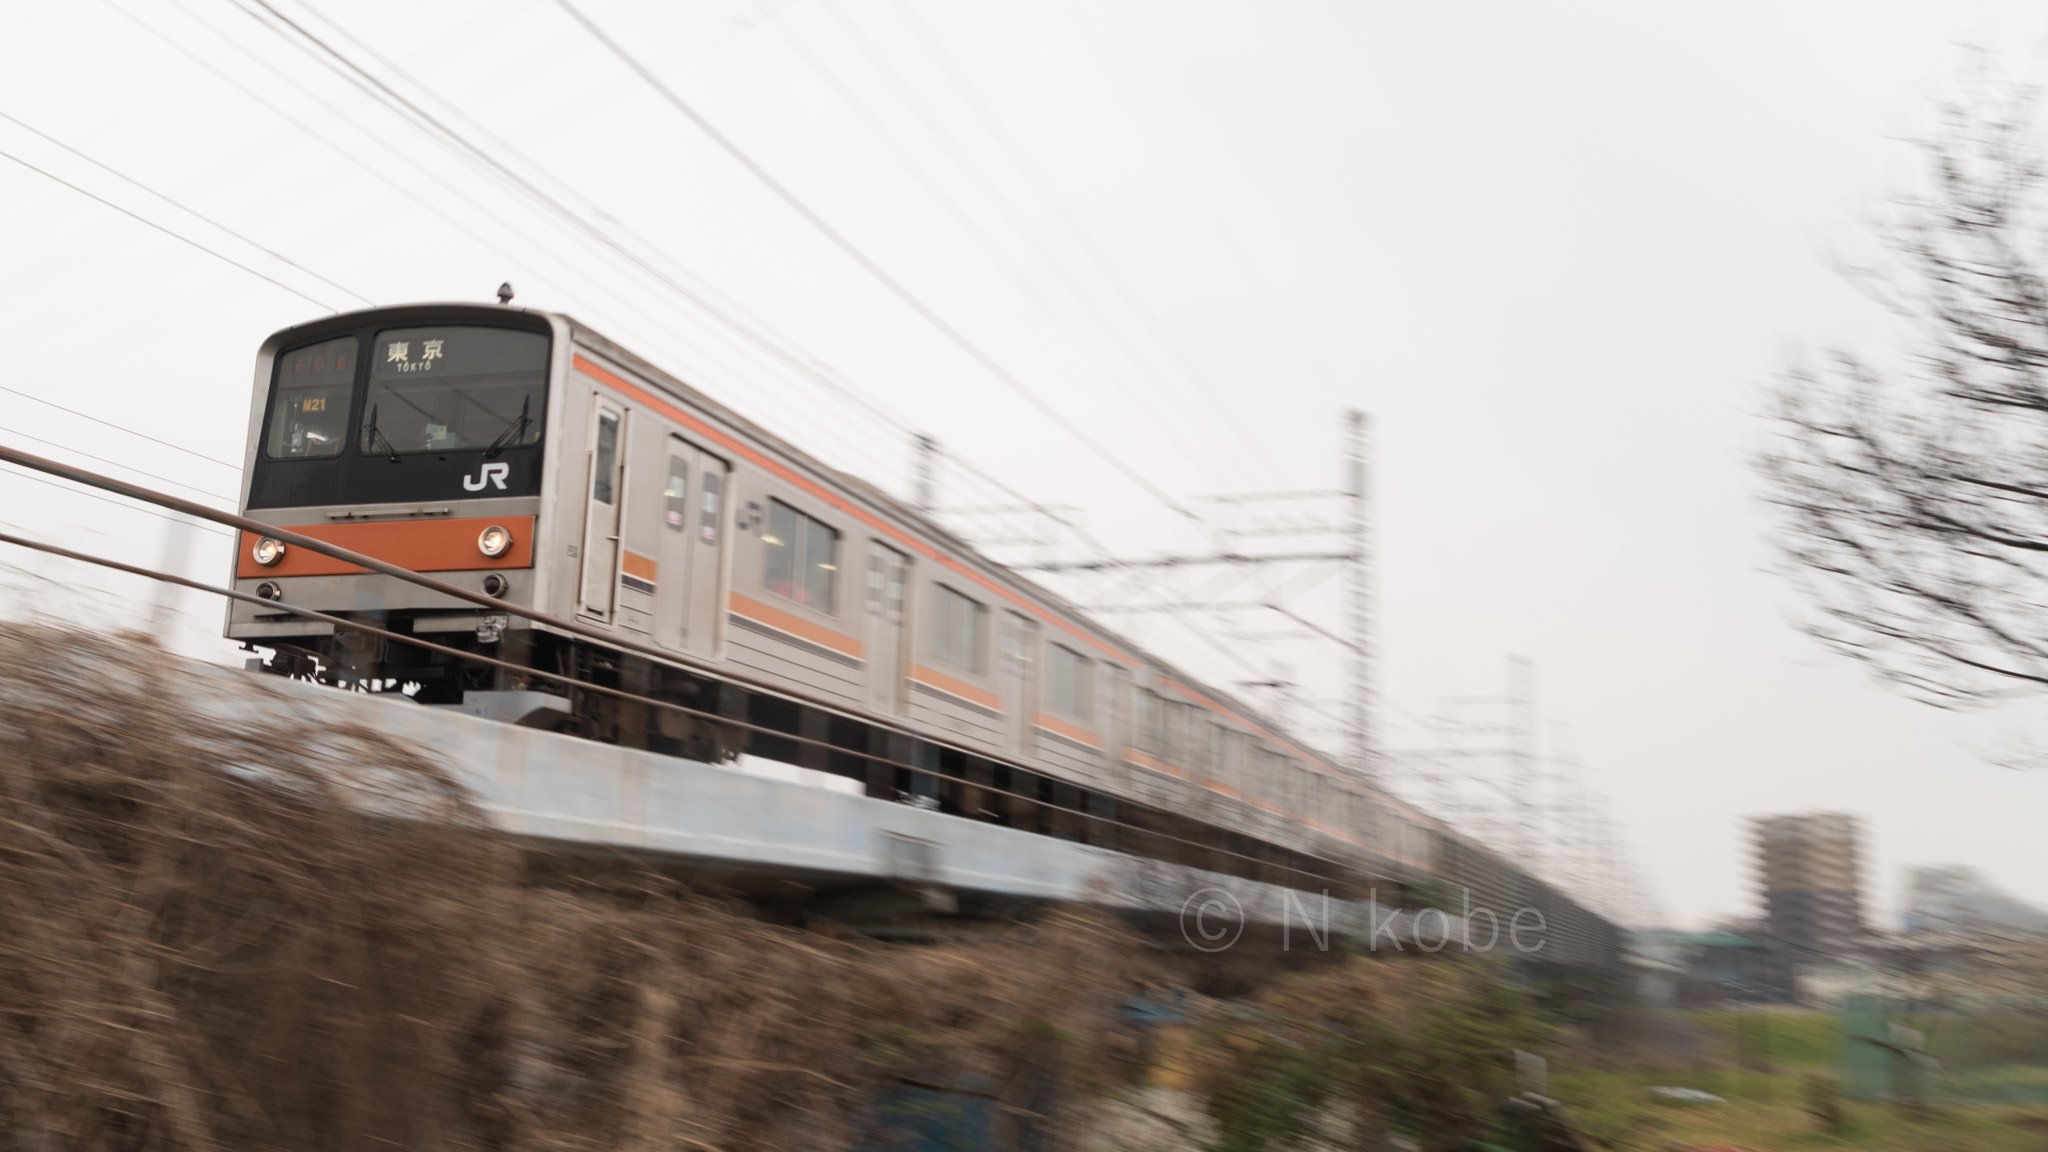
column 1107, row 268
column 699, row 352
column 173, row 234
column 755, row 327
column 119, row 427
column 952, row 207
column 342, row 65
column 186, row 209
column 118, row 464
column 12, row 470
column 1249, row 271
column 895, row 287
column 761, row 331
column 438, row 130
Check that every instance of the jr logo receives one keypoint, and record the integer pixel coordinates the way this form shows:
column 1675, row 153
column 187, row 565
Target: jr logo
column 486, row 475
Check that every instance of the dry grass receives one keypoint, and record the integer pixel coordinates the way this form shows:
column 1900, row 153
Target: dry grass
column 214, row 937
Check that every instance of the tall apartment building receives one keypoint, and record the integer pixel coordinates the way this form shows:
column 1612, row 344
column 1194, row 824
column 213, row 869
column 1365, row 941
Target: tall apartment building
column 1810, row 870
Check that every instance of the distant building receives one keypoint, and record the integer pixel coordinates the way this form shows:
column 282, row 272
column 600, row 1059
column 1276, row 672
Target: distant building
column 1952, row 898
column 1810, row 870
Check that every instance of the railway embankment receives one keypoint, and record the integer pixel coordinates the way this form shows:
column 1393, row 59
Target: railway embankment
column 216, row 933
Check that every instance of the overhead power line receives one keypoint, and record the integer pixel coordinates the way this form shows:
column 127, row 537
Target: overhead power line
column 1069, row 219
column 488, row 237
column 171, row 232
column 437, row 128
column 952, row 207
column 206, row 492
column 119, row 428
column 867, row 264
column 11, row 470
column 1174, row 416
column 187, row 210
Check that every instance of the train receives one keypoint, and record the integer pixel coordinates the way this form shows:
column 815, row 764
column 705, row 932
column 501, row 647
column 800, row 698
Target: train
column 664, row 549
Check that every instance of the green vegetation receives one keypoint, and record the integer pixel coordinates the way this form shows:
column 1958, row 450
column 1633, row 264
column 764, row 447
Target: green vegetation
column 1771, row 1066
column 1776, row 1037
column 1773, row 1113
column 1425, row 1049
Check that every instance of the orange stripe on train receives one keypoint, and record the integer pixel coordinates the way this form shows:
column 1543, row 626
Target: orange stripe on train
column 952, row 687
column 796, row 626
column 1059, row 727
column 421, row 545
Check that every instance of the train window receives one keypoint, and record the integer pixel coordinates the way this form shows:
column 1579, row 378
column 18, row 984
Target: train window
column 778, row 547
column 1071, row 682
column 454, row 388
column 885, row 584
column 708, row 507
column 956, row 629
column 1187, row 736
column 607, row 462
column 1234, row 756
column 802, row 557
column 309, row 415
column 675, row 495
column 821, row 565
column 1272, row 771
column 1145, row 725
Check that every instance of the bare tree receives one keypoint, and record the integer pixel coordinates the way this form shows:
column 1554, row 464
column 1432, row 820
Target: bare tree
column 1915, row 504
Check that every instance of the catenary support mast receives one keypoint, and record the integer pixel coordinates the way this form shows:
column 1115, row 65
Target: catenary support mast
column 1363, row 739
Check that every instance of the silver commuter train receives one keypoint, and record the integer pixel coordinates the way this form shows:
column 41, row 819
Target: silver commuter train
column 520, row 454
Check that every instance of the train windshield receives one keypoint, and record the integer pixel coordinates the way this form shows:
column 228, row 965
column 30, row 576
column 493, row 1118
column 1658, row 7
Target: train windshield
column 310, row 417
column 453, row 388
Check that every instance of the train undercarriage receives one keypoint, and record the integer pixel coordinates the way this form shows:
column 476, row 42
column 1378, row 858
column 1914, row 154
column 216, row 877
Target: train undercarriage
column 633, row 701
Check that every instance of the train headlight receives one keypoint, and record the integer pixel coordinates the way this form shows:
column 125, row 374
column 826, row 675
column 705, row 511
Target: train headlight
column 268, row 551
column 269, row 591
column 493, row 541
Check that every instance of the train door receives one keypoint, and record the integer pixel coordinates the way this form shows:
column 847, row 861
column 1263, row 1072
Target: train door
column 678, row 526
column 604, row 494
column 1020, row 688
column 885, row 584
column 707, row 555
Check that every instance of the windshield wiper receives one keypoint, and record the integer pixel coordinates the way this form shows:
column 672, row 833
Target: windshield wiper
column 371, row 434
column 513, row 431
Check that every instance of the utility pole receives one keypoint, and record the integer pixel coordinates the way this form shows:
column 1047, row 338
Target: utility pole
column 1358, row 595
column 927, row 473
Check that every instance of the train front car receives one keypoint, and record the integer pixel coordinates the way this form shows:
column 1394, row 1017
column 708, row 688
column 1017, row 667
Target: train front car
column 416, row 435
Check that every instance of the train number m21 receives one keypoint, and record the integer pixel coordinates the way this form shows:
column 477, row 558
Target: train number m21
column 486, row 475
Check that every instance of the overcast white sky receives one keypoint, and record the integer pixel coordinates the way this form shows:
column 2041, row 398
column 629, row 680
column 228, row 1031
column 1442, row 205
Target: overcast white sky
column 1556, row 250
